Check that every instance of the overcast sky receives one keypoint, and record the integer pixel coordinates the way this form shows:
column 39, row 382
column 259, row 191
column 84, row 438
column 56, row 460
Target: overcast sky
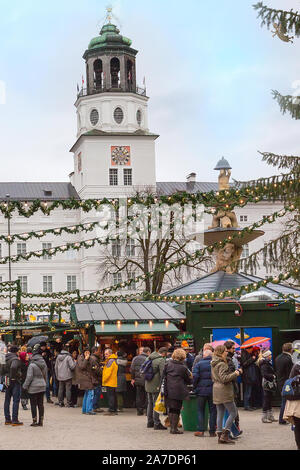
column 209, row 70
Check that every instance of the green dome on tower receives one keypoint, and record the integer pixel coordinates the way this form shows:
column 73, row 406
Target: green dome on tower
column 109, row 35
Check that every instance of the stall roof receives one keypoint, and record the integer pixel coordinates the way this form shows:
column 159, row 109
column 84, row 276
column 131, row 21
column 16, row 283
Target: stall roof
column 131, row 329
column 221, row 281
column 122, row 311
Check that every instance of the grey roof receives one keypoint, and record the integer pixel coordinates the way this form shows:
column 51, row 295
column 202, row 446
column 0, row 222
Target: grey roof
column 168, row 188
column 32, row 191
column 140, row 311
column 221, row 281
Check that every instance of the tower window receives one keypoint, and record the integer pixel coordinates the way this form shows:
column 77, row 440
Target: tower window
column 115, row 72
column 98, row 74
column 94, row 117
column 128, row 177
column 119, row 115
column 139, row 117
column 113, row 177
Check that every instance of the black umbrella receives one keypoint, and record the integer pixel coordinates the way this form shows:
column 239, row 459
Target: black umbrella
column 36, row 340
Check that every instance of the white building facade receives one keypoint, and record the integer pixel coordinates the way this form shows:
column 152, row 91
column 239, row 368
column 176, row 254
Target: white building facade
column 114, row 157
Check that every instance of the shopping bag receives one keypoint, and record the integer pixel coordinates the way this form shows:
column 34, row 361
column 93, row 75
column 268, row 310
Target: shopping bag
column 160, row 406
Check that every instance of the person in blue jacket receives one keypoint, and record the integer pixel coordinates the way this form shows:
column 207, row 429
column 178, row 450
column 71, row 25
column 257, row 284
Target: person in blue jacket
column 203, row 386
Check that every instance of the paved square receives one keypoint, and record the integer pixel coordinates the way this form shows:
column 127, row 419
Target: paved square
column 69, row 429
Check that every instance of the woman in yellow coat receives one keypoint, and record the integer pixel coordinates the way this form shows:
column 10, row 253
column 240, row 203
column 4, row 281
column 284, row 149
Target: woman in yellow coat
column 110, row 381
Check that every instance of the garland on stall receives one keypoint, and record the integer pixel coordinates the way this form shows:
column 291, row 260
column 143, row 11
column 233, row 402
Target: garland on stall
column 145, row 296
column 277, row 187
column 74, row 229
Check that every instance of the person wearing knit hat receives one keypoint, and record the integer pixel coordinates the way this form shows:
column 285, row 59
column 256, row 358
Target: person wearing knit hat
column 269, row 386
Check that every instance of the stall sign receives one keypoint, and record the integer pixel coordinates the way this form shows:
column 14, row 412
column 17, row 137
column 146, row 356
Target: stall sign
column 30, row 332
column 185, row 341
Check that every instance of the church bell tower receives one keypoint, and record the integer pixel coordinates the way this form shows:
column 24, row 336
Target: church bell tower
column 114, row 154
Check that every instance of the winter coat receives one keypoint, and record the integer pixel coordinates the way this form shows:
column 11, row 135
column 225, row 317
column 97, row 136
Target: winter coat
column 249, row 368
column 135, row 368
column 190, row 358
column 223, row 391
column 13, row 367
column 158, row 364
column 267, row 371
column 121, row 375
column 110, row 372
column 96, row 370
column 292, row 408
column 177, row 376
column 64, row 366
column 283, row 367
column 36, row 377
column 202, row 381
column 84, row 373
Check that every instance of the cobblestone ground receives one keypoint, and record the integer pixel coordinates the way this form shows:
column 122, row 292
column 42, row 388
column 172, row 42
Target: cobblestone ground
column 68, row 429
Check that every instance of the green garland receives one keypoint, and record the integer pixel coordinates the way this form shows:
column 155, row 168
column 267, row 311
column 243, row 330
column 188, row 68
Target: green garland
column 145, row 296
column 72, row 229
column 274, row 188
column 171, row 266
column 57, row 249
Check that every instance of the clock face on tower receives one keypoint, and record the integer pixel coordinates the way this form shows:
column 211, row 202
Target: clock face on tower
column 120, row 156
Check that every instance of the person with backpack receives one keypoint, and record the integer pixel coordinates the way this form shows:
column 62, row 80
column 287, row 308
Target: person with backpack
column 138, row 380
column 35, row 384
column 153, row 369
column 283, row 367
column 292, row 407
column 13, row 378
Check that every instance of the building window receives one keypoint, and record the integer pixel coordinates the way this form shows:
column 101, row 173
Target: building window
column 245, row 252
column 131, row 275
column 117, row 278
column 118, row 115
column 47, row 246
column 130, row 247
column 0, row 250
column 71, row 254
column 24, row 283
column 113, row 177
column 47, row 284
column 139, row 117
column 128, row 177
column 71, row 283
column 94, row 117
column 21, row 248
column 116, row 249
column 243, row 218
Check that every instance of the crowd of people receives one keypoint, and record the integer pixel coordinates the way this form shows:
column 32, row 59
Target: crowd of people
column 168, row 374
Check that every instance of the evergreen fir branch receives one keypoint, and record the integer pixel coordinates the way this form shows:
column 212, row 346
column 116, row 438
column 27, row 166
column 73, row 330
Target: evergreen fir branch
column 281, row 161
column 281, row 253
column 288, row 103
column 288, row 20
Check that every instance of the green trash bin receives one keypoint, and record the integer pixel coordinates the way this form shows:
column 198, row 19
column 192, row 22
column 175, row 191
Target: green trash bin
column 189, row 414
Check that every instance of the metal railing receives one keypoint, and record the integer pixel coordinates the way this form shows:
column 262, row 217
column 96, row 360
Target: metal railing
column 95, row 91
